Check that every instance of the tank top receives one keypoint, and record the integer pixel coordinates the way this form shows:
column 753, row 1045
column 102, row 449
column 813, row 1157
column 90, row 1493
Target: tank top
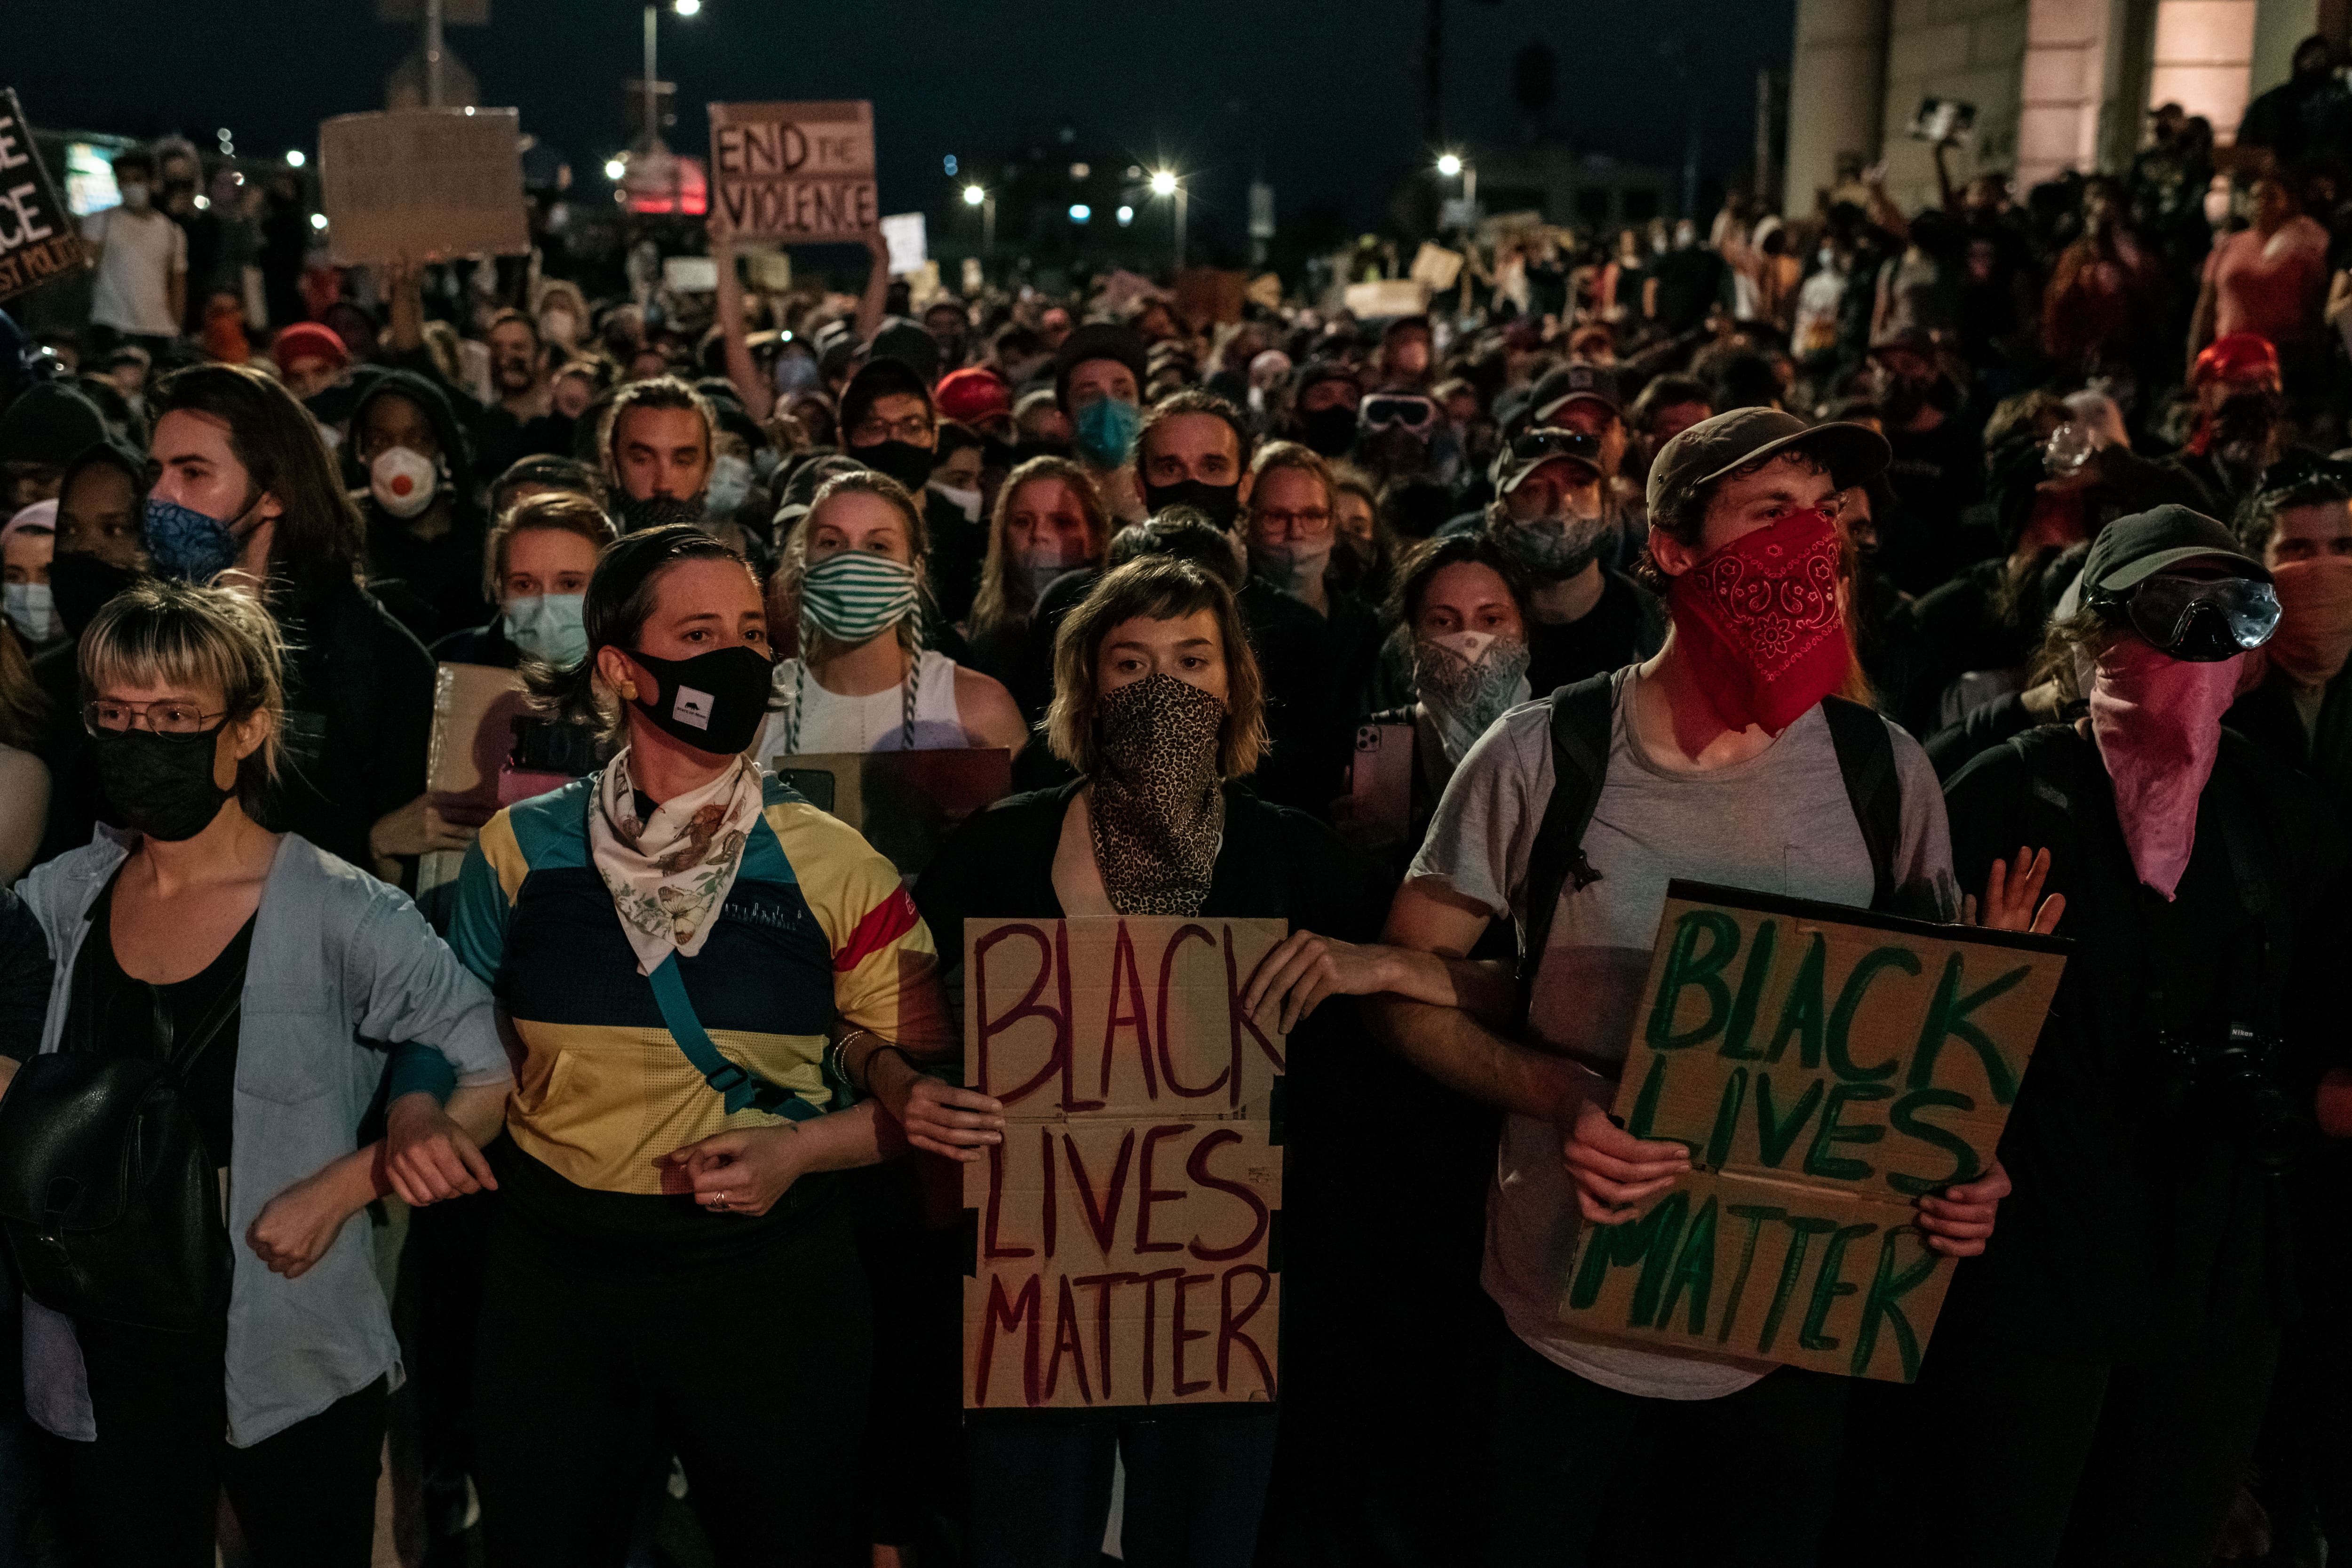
column 832, row 722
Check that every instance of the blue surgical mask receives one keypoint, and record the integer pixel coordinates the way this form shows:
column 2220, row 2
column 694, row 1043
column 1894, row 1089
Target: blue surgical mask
column 34, row 612
column 1106, row 431
column 730, row 482
column 548, row 628
column 188, row 544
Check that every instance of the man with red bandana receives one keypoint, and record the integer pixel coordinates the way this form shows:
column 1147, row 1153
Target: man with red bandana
column 1718, row 764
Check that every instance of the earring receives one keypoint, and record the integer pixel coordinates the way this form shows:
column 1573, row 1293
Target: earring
column 628, row 691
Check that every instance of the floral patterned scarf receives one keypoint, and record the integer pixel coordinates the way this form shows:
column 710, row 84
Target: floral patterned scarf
column 669, row 874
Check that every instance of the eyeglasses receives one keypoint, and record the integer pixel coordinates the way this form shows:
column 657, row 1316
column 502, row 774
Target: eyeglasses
column 1314, row 520
column 1418, row 415
column 914, row 429
column 2198, row 620
column 165, row 718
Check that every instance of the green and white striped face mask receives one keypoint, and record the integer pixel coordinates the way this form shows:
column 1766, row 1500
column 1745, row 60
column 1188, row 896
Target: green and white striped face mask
column 856, row 595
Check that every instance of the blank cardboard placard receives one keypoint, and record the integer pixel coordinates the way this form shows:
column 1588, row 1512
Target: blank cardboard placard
column 1435, row 265
column 905, row 803
column 794, row 174
column 1825, row 1067
column 473, row 710
column 1124, row 1228
column 425, row 183
column 38, row 242
column 1386, row 297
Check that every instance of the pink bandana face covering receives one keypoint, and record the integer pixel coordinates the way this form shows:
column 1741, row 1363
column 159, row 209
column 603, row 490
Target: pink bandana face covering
column 2158, row 722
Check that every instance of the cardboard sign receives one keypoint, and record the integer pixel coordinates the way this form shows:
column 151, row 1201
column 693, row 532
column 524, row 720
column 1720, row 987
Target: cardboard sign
column 905, row 803
column 1436, row 267
column 1124, row 1228
column 690, row 274
column 1394, row 296
column 473, row 710
column 908, row 241
column 795, row 174
column 1825, row 1067
column 426, row 183
column 1209, row 295
column 37, row 240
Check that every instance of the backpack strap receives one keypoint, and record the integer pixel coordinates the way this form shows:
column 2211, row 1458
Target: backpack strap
column 1866, row 755
column 1581, row 714
column 738, row 1086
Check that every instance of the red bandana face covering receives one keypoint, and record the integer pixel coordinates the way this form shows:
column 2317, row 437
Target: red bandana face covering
column 1761, row 622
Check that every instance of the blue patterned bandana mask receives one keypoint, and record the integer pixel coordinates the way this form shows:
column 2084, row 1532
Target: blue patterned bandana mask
column 188, row 544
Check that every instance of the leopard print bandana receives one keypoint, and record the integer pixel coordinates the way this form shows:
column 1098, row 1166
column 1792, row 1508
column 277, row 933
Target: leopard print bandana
column 1159, row 807
column 669, row 874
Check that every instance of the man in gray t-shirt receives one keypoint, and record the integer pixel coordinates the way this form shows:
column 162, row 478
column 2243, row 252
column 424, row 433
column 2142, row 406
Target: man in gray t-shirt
column 1720, row 768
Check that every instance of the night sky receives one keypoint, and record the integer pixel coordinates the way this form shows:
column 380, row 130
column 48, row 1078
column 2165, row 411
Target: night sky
column 1323, row 95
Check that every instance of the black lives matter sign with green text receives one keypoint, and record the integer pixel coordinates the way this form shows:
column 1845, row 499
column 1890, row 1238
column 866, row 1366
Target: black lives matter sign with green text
column 1825, row 1067
column 37, row 242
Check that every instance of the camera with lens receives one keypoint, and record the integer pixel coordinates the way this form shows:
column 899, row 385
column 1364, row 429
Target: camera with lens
column 2237, row 1078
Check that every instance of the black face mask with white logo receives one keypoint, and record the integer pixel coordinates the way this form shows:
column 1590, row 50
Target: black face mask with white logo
column 713, row 701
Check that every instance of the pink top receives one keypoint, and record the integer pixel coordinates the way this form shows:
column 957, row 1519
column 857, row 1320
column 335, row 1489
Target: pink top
column 2275, row 288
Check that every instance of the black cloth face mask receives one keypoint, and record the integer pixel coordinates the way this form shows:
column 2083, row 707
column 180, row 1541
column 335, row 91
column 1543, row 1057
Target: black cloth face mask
column 81, row 584
column 714, row 701
column 162, row 785
column 1221, row 502
column 902, row 460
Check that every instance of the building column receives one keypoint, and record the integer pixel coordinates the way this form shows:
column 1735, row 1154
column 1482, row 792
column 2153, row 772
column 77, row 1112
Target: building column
column 1837, row 89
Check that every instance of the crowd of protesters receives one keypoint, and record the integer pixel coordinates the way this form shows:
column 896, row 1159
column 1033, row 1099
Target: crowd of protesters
column 1986, row 564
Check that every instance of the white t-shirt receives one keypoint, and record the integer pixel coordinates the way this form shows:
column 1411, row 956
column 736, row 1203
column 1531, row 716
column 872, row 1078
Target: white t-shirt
column 830, row 722
column 1779, row 822
column 141, row 252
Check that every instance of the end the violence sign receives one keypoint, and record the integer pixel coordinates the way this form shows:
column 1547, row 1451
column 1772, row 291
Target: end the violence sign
column 794, row 174
column 37, row 242
column 1825, row 1067
column 1124, row 1251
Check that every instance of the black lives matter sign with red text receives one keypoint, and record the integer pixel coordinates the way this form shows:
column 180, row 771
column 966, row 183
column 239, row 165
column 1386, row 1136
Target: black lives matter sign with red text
column 37, row 242
column 1125, row 1225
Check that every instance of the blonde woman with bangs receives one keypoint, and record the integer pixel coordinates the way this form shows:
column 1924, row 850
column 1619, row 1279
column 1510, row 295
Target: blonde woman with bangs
column 237, row 978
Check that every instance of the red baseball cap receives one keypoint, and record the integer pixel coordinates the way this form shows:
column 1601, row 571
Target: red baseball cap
column 308, row 340
column 971, row 395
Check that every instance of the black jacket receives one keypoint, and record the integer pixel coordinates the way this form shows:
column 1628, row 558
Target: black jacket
column 2137, row 1219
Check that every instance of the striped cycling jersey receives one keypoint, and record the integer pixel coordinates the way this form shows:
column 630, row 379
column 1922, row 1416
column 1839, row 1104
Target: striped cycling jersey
column 816, row 928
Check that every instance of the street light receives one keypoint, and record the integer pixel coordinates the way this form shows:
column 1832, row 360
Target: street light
column 1166, row 182
column 1125, row 216
column 294, row 159
column 977, row 195
column 685, row 7
column 1451, row 164
column 318, row 220
column 1080, row 212
column 614, row 168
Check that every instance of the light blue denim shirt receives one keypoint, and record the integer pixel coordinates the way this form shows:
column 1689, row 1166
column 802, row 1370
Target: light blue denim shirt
column 340, row 964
